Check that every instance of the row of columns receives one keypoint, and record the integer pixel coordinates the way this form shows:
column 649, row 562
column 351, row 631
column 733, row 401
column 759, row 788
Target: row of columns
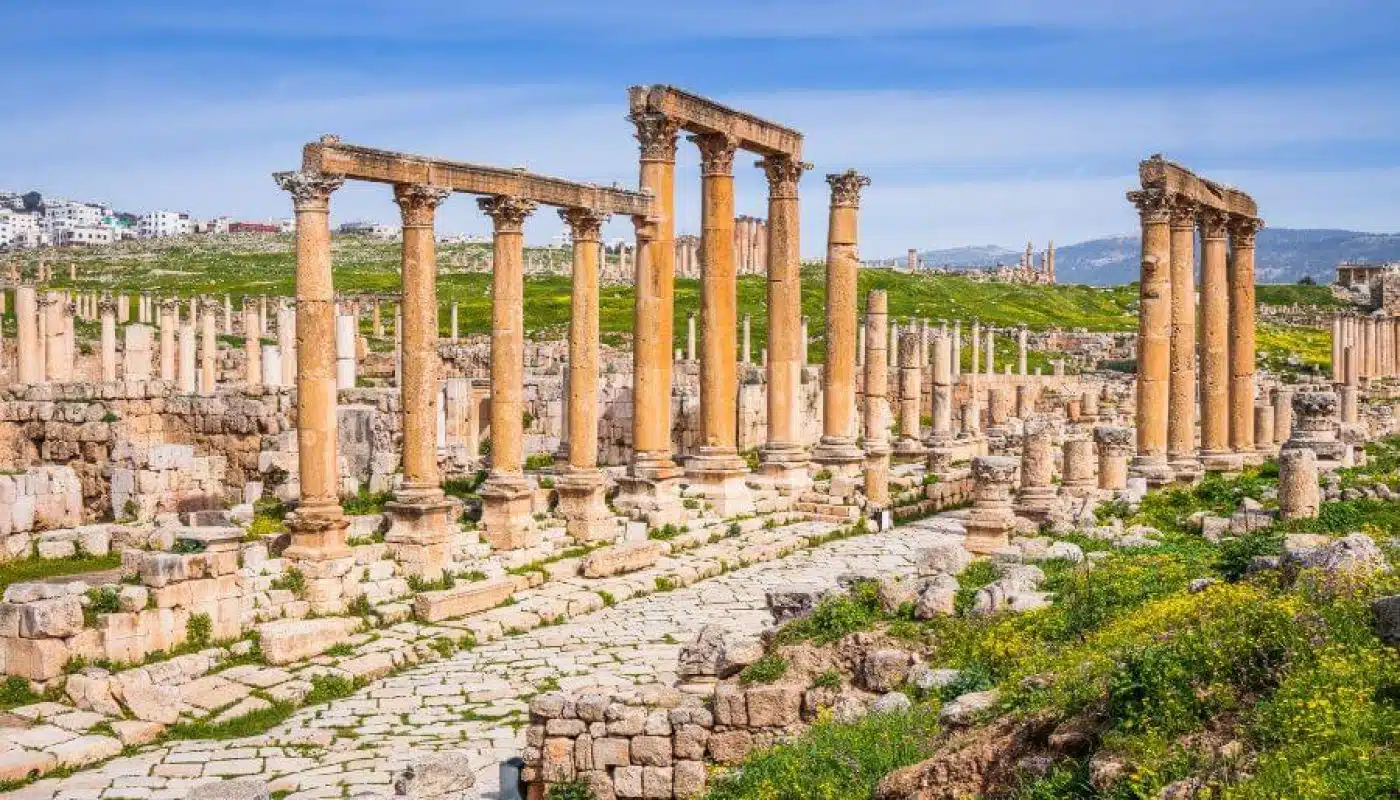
column 1167, row 340
column 1371, row 343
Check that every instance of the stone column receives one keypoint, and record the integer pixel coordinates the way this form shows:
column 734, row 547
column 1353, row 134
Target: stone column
column 989, row 340
column 1021, row 350
column 581, row 487
column 976, row 347
column 690, row 338
column 1368, row 348
column 653, row 474
column 908, row 446
column 29, row 354
column 1078, row 478
column 838, row 450
column 209, row 349
column 1241, row 270
column 286, row 341
column 136, row 353
column 108, row 312
column 747, row 352
column 1264, row 427
column 716, row 470
column 455, row 338
column 1154, row 336
column 1298, row 494
column 169, row 314
column 1181, row 389
column 1283, row 415
column 506, row 494
column 1350, row 389
column 990, row 523
column 942, row 434
column 252, row 345
column 784, row 459
column 876, row 439
column 318, row 525
column 1315, row 426
column 1215, row 346
column 957, row 350
column 420, row 517
column 228, row 315
column 1037, row 497
column 187, row 360
column 1115, row 446
column 271, row 360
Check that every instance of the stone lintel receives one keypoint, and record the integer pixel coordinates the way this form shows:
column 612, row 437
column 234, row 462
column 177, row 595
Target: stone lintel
column 699, row 114
column 330, row 156
column 1158, row 172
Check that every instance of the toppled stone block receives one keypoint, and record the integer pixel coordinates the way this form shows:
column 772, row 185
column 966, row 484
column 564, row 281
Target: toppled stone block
column 947, row 557
column 718, row 652
column 441, row 776
column 964, row 710
column 617, row 559
column 463, row 599
column 794, row 600
column 286, row 641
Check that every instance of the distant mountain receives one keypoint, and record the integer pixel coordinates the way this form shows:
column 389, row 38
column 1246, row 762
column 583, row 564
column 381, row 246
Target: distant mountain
column 1284, row 255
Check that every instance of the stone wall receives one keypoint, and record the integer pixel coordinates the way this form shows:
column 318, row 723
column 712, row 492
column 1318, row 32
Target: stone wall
column 38, row 499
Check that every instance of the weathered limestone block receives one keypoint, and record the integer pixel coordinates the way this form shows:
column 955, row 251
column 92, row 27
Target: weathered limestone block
column 51, row 619
column 286, row 641
column 621, row 558
column 462, row 599
column 445, row 775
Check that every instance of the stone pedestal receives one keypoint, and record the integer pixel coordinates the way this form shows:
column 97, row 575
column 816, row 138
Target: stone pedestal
column 1315, row 426
column 909, row 447
column 506, row 520
column 1078, row 477
column 1298, row 494
column 991, row 521
column 420, row 534
column 1036, row 499
column 583, row 504
column 1115, row 445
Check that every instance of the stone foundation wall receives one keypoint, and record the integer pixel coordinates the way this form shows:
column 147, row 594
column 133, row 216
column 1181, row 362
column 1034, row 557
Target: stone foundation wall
column 38, row 499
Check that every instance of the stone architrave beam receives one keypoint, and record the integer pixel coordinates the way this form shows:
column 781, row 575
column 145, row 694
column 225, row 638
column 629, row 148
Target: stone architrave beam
column 330, row 156
column 702, row 115
column 1157, row 172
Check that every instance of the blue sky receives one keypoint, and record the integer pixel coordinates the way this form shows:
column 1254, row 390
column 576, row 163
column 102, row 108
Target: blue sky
column 979, row 121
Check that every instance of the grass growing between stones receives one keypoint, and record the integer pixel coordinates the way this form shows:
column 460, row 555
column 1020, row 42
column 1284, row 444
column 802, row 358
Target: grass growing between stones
column 40, row 569
column 833, row 760
column 1255, row 687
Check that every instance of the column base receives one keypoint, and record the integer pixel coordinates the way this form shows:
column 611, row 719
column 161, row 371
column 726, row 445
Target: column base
column 783, row 465
column 420, row 534
column 1153, row 469
column 318, row 533
column 877, row 475
column 1086, row 488
column 1188, row 469
column 1036, row 502
column 506, row 520
column 583, row 504
column 652, row 494
column 718, row 475
column 908, row 450
column 840, row 454
column 1221, row 461
column 988, row 530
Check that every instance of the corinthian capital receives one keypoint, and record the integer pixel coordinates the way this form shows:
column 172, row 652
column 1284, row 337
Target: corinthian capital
column 106, row 304
column 1243, row 230
column 1212, row 223
column 656, row 133
column 716, row 153
column 1183, row 213
column 585, row 224
column 418, row 202
column 311, row 191
column 1153, row 205
column 508, row 213
column 846, row 186
column 783, row 173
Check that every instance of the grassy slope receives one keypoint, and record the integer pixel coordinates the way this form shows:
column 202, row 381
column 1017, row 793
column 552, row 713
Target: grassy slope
column 265, row 266
column 1292, row 672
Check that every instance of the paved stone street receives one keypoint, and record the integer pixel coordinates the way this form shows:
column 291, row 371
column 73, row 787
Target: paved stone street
column 476, row 701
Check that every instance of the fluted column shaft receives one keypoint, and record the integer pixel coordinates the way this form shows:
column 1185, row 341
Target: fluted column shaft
column 319, row 524
column 419, row 387
column 842, row 263
column 784, row 367
column 507, row 334
column 1215, row 340
column 1241, row 271
column 586, row 226
column 718, row 377
column 654, row 309
column 1154, row 332
column 1181, row 408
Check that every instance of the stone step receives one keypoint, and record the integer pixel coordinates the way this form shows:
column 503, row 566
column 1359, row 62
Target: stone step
column 463, row 599
column 289, row 640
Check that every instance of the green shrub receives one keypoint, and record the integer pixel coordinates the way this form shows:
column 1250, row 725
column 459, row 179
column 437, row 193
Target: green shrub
column 836, row 617
column 198, row 630
column 293, row 581
column 365, row 502
column 539, row 461
column 770, row 668
column 832, row 760
column 573, row 790
column 831, row 679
